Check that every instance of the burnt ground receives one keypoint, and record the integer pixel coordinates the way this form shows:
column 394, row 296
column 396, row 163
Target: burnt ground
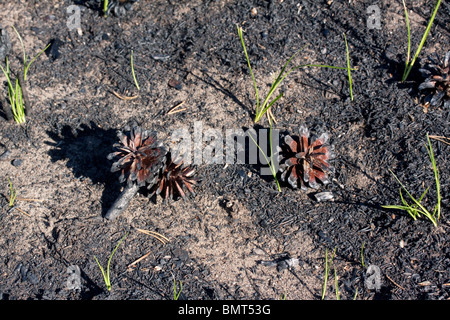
column 234, row 238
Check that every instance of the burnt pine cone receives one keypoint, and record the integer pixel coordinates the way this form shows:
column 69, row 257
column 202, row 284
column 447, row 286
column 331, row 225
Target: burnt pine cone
column 437, row 74
column 175, row 176
column 140, row 157
column 304, row 160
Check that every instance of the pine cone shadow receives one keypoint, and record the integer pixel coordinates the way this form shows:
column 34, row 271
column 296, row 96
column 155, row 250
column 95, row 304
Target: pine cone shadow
column 85, row 150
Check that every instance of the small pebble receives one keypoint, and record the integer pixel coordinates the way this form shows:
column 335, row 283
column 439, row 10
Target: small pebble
column 175, row 84
column 5, row 155
column 17, row 162
column 161, row 57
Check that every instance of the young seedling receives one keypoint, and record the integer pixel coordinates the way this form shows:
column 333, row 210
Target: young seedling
column 105, row 7
column 416, row 209
column 263, row 109
column 13, row 194
column 348, row 69
column 106, row 275
column 132, row 70
column 409, row 64
column 327, row 271
column 336, row 285
column 17, row 93
column 176, row 293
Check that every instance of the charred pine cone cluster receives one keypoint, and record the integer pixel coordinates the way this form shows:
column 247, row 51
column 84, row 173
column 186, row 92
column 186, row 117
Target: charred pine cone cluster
column 437, row 74
column 144, row 161
column 304, row 160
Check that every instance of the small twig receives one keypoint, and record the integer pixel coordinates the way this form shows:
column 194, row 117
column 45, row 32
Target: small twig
column 395, row 283
column 153, row 234
column 123, row 97
column 173, row 110
column 24, row 199
column 441, row 139
column 138, row 260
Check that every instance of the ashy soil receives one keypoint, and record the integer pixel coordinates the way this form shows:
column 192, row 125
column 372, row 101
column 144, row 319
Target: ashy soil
column 238, row 237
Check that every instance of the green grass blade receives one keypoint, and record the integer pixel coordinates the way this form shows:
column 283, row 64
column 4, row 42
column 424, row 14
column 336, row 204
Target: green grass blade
column 263, row 111
column 176, row 293
column 110, row 258
column 272, row 168
column 436, row 177
column 13, row 194
column 277, row 80
column 249, row 66
column 348, row 67
column 23, row 47
column 327, row 265
column 412, row 210
column 408, row 53
column 409, row 194
column 105, row 276
column 32, row 60
column 362, row 254
column 132, row 70
column 105, row 7
column 422, row 42
column 336, row 285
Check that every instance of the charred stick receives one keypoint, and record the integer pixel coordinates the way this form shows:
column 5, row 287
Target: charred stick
column 122, row 202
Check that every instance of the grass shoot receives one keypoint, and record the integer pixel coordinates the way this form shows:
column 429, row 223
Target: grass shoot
column 416, row 209
column 350, row 83
column 132, row 70
column 13, row 194
column 176, row 292
column 264, row 108
column 409, row 64
column 16, row 91
column 106, row 275
column 327, row 271
column 15, row 95
column 25, row 57
column 105, row 7
column 336, row 285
